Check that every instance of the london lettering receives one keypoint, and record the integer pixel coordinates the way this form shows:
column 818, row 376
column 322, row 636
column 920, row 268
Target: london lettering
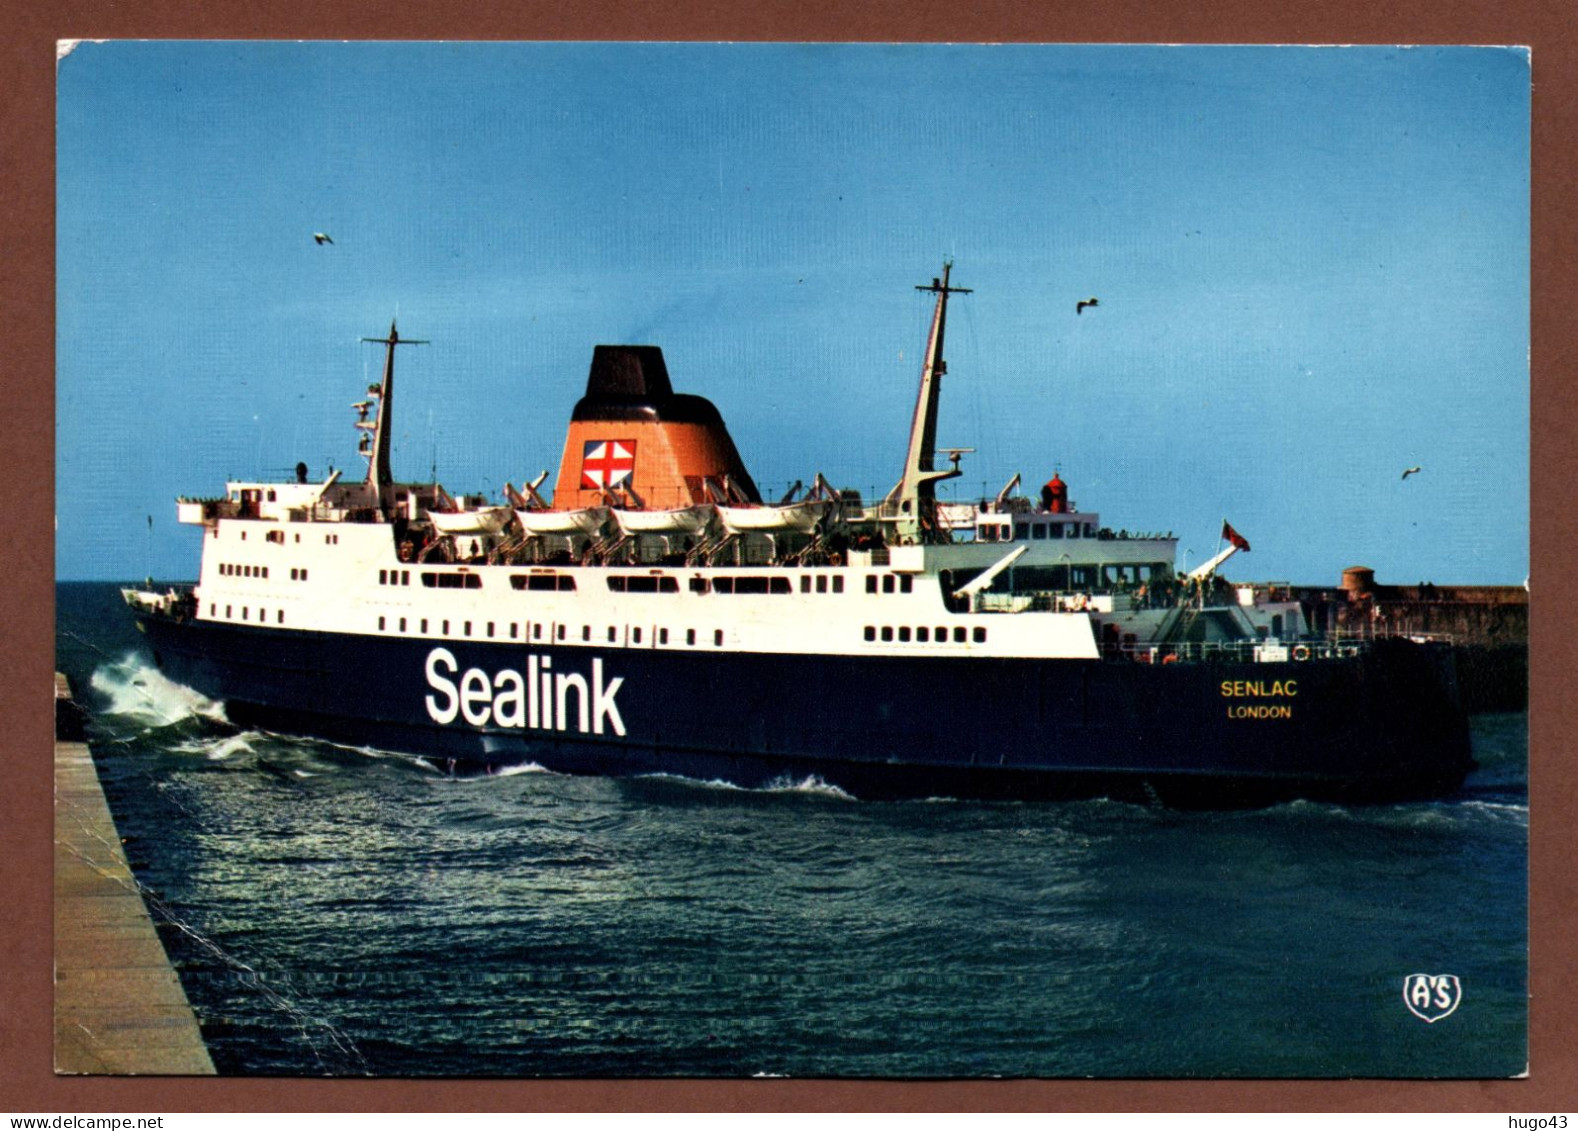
column 539, row 698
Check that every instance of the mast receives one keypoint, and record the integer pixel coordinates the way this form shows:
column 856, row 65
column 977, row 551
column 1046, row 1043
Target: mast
column 912, row 504
column 377, row 450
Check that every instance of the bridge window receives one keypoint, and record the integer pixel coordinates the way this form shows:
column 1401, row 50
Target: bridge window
column 1021, row 530
column 1038, row 532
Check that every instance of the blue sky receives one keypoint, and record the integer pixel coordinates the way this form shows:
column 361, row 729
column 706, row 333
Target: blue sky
column 1312, row 264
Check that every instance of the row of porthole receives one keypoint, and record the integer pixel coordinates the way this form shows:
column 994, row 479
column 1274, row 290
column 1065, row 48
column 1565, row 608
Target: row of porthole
column 923, row 634
column 213, row 611
column 560, row 635
column 228, row 570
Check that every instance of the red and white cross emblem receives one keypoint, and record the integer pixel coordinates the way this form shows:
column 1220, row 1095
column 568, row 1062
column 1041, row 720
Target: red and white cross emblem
column 607, row 463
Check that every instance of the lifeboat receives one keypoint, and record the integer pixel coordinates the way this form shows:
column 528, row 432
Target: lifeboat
column 487, row 520
column 799, row 517
column 586, row 520
column 679, row 520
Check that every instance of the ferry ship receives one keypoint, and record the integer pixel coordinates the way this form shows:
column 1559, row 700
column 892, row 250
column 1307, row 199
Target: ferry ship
column 657, row 615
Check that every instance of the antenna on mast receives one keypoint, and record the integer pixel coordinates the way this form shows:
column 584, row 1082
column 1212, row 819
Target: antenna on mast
column 377, row 451
column 912, row 504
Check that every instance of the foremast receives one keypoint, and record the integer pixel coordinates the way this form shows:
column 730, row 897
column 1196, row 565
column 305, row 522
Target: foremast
column 911, row 507
column 376, row 446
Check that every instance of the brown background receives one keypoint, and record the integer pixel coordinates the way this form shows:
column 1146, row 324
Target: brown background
column 27, row 1084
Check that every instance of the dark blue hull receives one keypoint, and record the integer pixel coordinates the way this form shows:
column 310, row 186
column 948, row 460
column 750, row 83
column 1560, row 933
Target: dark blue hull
column 1382, row 725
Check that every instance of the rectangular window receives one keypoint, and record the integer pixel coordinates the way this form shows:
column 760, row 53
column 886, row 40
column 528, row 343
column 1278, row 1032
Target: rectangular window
column 281, row 617
column 304, row 573
column 451, row 581
column 1021, row 530
column 958, row 635
column 887, row 583
column 490, row 630
column 466, row 628
column 887, row 633
column 871, row 583
column 243, row 612
column 446, row 629
column 424, row 626
column 699, row 585
column 514, row 631
column 559, row 632
column 906, row 584
column 586, row 633
column 1038, row 532
column 805, row 583
column 613, row 634
column 717, row 637
column 536, row 631
column 543, row 582
column 871, row 632
column 838, row 584
column 821, row 583
column 405, row 577
column 662, row 636
column 383, row 577
column 227, row 610
column 1071, row 529
column 635, row 635
column 1090, row 530
column 922, row 635
column 723, row 585
column 402, row 624
column 979, row 635
column 942, row 635
column 690, row 635
column 904, row 634
column 380, row 624
column 212, row 609
column 1055, row 530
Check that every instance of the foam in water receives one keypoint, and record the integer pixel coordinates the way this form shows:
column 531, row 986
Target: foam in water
column 219, row 749
column 140, row 691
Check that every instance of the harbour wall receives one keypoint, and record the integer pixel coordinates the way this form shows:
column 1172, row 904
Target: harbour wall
column 1487, row 625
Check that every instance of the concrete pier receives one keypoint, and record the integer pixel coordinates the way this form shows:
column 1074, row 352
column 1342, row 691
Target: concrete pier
column 119, row 1007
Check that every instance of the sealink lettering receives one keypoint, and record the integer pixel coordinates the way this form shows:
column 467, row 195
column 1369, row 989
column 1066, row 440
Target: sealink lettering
column 538, row 697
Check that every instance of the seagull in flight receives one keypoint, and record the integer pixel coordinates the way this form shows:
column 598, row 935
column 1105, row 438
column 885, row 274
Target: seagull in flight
column 321, row 238
column 1079, row 307
column 1412, row 471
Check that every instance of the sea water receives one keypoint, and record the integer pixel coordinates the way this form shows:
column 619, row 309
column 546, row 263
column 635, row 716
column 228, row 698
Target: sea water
column 344, row 911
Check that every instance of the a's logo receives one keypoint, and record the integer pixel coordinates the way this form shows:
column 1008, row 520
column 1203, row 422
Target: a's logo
column 1431, row 997
column 607, row 463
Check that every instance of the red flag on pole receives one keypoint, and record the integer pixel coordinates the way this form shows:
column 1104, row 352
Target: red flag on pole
column 1234, row 536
